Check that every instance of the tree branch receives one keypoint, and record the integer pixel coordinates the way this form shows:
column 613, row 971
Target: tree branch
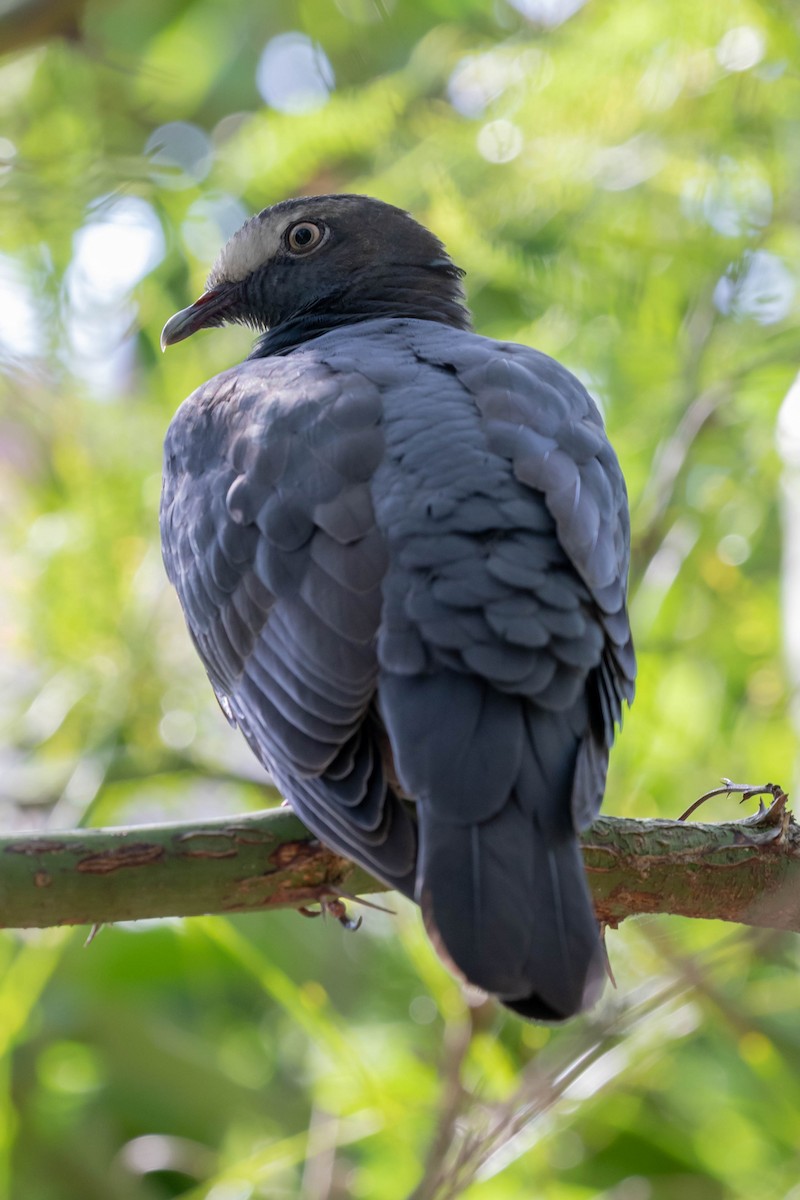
column 31, row 22
column 745, row 871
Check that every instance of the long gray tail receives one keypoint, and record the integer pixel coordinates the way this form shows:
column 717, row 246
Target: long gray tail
column 502, row 786
column 507, row 903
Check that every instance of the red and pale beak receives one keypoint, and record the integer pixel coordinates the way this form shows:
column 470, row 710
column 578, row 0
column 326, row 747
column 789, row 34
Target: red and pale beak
column 210, row 309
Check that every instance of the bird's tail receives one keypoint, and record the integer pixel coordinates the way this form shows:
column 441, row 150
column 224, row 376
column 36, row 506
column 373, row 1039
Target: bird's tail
column 501, row 787
column 507, row 904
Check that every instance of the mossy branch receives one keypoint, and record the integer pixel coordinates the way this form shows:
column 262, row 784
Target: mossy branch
column 748, row 871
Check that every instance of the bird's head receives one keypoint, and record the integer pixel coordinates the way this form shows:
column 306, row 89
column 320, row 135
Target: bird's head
column 309, row 265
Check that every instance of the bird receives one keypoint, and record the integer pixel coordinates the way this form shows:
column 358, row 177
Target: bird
column 401, row 549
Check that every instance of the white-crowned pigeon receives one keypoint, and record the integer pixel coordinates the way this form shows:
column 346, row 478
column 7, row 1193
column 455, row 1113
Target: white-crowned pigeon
column 402, row 553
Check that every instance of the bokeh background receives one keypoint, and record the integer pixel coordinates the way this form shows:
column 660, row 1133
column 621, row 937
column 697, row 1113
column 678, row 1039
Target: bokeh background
column 621, row 181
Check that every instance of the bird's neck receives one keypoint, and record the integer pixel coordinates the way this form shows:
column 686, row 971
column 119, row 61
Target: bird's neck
column 423, row 294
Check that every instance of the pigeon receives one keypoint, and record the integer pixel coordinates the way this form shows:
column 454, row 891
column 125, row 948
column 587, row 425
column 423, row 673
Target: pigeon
column 402, row 553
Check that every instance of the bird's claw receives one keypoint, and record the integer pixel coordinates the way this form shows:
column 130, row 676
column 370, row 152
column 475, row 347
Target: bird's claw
column 336, row 908
column 332, row 907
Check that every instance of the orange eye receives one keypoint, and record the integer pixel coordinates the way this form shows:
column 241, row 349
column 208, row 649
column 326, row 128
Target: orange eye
column 305, row 236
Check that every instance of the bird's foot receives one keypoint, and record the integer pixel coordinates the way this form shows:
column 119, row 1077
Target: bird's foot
column 332, row 907
column 772, row 814
column 332, row 904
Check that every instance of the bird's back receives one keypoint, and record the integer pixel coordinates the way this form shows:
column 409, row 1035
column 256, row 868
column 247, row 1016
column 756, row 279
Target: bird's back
column 402, row 553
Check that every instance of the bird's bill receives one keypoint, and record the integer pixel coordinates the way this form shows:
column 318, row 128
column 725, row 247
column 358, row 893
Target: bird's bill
column 209, row 309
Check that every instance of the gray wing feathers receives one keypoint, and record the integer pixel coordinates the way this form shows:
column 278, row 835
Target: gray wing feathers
column 270, row 538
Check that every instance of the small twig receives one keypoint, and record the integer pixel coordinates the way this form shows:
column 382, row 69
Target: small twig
column 671, row 460
column 437, row 1171
column 747, row 791
column 604, row 927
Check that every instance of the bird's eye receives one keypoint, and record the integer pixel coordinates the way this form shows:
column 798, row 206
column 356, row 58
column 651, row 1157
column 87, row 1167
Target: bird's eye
column 305, row 236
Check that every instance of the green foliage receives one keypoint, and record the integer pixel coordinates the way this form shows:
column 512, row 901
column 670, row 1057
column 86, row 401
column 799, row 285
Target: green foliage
column 622, row 190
